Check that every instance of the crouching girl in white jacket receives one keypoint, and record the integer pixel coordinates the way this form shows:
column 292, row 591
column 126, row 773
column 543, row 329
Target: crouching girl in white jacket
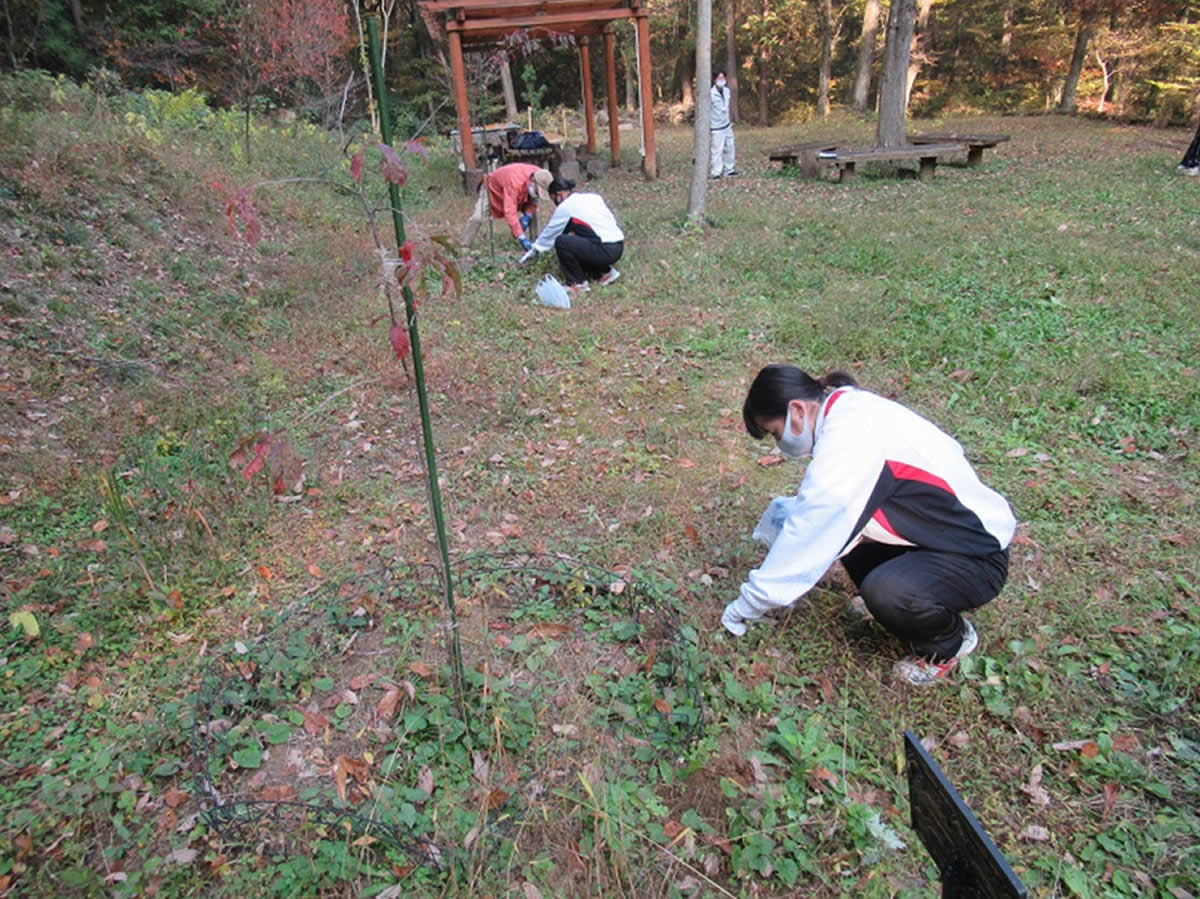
column 891, row 496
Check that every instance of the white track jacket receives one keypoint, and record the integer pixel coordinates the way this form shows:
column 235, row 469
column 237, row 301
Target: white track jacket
column 580, row 213
column 878, row 472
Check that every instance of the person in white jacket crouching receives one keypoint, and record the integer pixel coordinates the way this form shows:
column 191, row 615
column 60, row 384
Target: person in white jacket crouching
column 584, row 234
column 895, row 499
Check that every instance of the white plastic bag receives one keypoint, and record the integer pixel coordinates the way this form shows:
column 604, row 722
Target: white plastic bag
column 552, row 293
column 773, row 519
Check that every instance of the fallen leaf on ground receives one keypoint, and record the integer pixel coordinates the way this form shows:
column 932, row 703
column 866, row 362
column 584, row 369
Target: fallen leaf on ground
column 1036, row 833
column 1034, row 789
column 548, row 630
column 387, row 705
column 175, row 798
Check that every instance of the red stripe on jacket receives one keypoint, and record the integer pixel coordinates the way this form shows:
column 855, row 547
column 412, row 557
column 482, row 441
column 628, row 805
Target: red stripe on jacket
column 904, row 472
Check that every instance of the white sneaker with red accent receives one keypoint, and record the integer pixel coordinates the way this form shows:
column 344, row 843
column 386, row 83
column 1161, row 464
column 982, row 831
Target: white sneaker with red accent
column 922, row 672
column 611, row 276
column 581, row 287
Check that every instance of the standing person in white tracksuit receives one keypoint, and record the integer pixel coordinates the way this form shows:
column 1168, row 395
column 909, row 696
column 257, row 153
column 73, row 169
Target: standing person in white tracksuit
column 722, row 163
column 584, row 234
column 891, row 496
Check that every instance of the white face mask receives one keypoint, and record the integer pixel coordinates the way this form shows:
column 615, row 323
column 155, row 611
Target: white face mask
column 795, row 446
column 720, row 82
column 533, row 191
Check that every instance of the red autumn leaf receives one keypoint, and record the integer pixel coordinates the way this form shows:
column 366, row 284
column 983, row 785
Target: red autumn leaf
column 823, row 774
column 768, row 461
column 278, row 793
column 256, row 464
column 393, row 167
column 265, row 572
column 314, row 723
column 406, row 252
column 363, row 680
column 662, row 706
column 691, row 532
column 1125, row 629
column 548, row 630
column 400, row 343
column 672, row 829
column 356, row 166
column 1090, row 749
column 416, row 146
column 495, row 798
column 1111, row 792
column 387, row 705
column 420, row 668
column 175, row 798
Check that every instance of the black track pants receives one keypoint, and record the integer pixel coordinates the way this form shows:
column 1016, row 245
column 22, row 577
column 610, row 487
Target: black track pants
column 584, row 258
column 1191, row 158
column 919, row 595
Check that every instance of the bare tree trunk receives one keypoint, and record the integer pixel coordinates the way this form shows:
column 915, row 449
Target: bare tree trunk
column 922, row 50
column 686, row 75
column 630, row 78
column 510, row 95
column 1087, row 27
column 826, row 57
column 866, row 55
column 1010, row 12
column 731, row 64
column 1107, row 73
column 702, row 139
column 764, row 58
column 896, row 50
column 77, row 15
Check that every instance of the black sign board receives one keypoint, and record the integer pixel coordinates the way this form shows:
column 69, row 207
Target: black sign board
column 969, row 862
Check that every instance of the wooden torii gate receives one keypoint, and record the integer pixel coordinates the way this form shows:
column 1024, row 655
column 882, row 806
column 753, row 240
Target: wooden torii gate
column 485, row 22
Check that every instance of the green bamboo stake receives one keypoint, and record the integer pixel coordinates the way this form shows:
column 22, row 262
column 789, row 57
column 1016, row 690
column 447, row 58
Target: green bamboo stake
column 435, row 493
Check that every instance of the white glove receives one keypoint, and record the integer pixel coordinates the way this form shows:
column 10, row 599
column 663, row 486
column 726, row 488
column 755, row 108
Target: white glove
column 733, row 621
column 529, row 254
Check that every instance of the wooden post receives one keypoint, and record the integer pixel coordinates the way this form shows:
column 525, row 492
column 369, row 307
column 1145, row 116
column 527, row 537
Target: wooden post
column 610, row 78
column 589, row 109
column 461, row 105
column 649, row 163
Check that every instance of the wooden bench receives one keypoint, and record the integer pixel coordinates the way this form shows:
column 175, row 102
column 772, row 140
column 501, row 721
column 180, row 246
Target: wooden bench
column 976, row 143
column 807, row 152
column 845, row 159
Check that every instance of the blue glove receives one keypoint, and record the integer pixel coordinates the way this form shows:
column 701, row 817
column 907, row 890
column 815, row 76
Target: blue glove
column 526, row 243
column 525, row 219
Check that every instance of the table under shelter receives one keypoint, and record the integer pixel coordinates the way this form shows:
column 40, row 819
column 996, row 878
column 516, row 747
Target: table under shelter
column 481, row 24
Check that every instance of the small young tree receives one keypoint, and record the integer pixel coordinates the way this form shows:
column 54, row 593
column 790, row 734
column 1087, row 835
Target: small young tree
column 271, row 45
column 701, row 140
column 306, row 45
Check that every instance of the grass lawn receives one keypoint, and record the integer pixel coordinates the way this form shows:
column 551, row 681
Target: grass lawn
column 210, row 691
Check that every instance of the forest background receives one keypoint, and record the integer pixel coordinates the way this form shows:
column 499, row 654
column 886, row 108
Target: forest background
column 790, row 60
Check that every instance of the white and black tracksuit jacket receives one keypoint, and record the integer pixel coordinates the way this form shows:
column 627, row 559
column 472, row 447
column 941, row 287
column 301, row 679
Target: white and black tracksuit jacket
column 878, row 472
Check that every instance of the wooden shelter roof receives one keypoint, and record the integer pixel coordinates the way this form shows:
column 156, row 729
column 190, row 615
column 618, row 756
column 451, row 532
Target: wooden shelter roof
column 487, row 21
